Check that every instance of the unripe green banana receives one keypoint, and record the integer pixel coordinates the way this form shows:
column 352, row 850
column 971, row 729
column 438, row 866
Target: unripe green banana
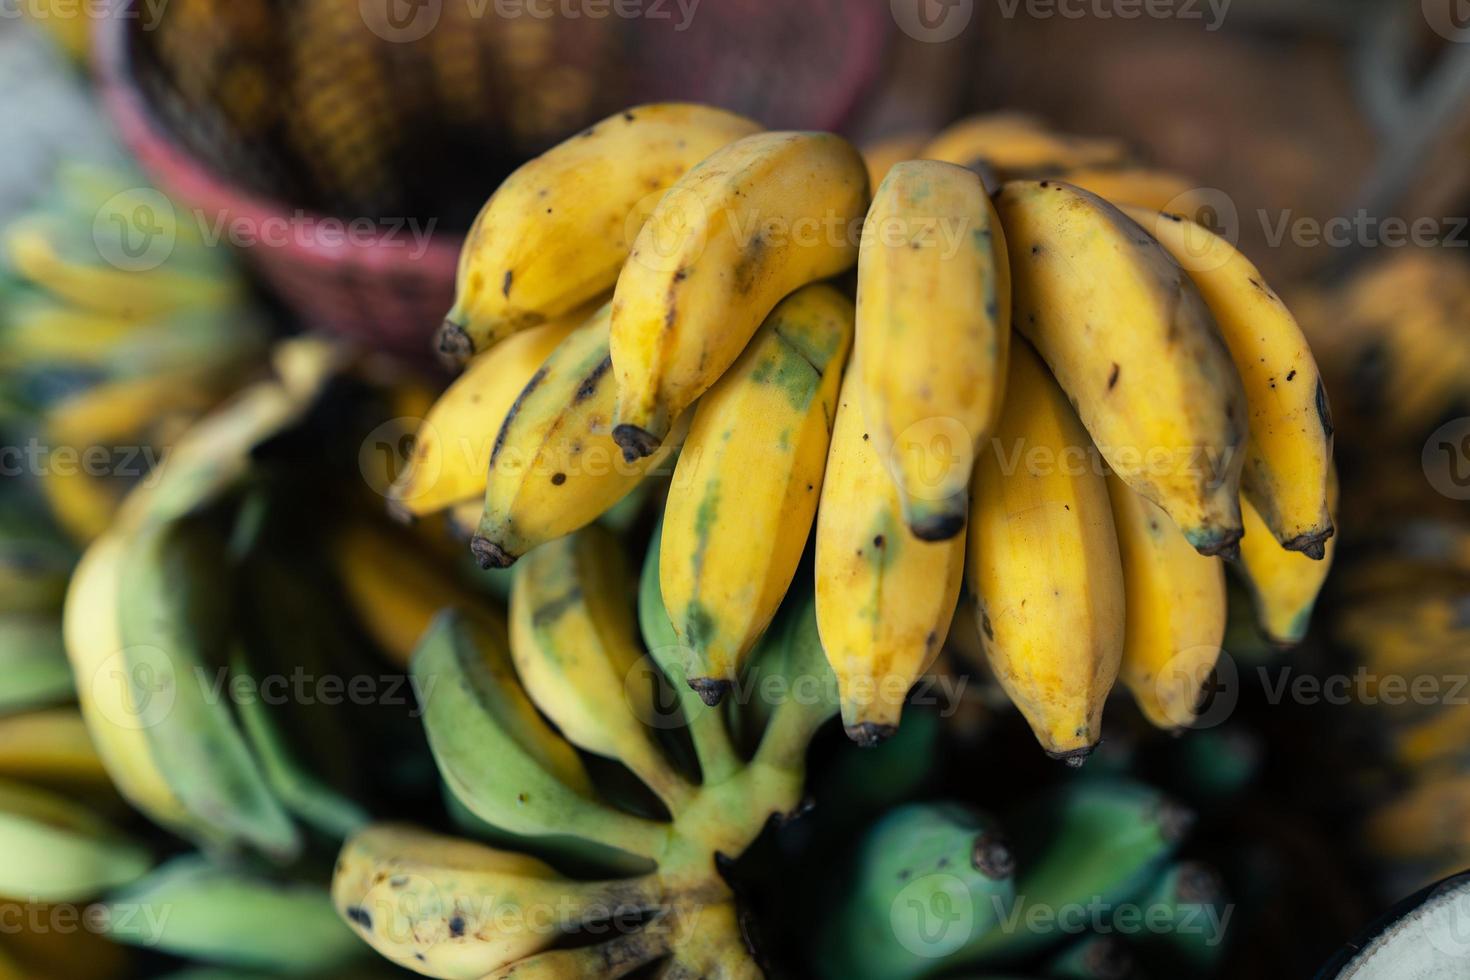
column 745, row 490
column 174, row 621
column 33, row 667
column 57, row 850
column 928, row 877
column 790, row 684
column 574, row 641
column 1189, row 914
column 449, row 908
column 554, row 468
column 556, row 232
column 194, row 908
column 476, row 711
column 747, row 227
column 1137, row 351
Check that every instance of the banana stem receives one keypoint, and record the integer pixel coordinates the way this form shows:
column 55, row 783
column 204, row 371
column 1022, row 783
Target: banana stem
column 718, row 760
column 784, row 743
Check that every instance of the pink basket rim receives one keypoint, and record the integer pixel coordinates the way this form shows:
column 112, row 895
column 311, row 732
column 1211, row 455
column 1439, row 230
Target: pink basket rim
column 184, row 175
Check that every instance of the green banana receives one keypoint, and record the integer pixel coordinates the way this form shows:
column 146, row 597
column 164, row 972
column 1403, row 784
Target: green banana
column 1188, row 915
column 496, row 753
column 1093, row 958
column 57, row 850
column 194, row 908
column 791, row 683
column 929, row 877
column 33, row 667
column 174, row 618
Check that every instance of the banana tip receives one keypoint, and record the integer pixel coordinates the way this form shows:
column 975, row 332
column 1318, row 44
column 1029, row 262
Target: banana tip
column 1174, row 821
column 1074, row 757
column 937, row 527
column 635, row 442
column 1224, row 544
column 710, row 690
column 454, row 343
column 1313, row 545
column 869, row 734
column 489, row 554
column 992, row 857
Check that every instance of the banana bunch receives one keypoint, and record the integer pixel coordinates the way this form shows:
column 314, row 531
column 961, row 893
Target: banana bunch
column 120, row 322
column 605, row 793
column 939, row 888
column 1085, row 477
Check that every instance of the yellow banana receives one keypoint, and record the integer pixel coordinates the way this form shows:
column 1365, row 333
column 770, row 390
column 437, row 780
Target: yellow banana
column 880, row 155
column 1157, row 190
column 1006, row 145
column 450, row 461
column 1135, row 348
column 556, row 232
column 1176, row 611
column 554, row 468
column 396, row 588
column 745, row 491
column 446, row 907
column 934, row 325
column 51, row 747
column 1290, row 448
column 1284, row 584
column 756, row 220
column 1044, row 564
column 573, row 637
column 93, row 643
column 884, row 598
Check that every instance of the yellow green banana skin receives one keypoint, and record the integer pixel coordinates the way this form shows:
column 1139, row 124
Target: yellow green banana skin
column 1133, row 344
column 747, row 227
column 746, row 487
column 1290, row 449
column 1044, row 565
column 58, row 850
column 556, row 232
column 933, row 332
column 450, row 908
column 475, row 709
column 553, row 467
column 884, row 598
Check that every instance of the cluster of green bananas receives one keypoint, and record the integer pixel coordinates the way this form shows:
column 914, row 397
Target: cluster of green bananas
column 662, row 286
column 119, row 323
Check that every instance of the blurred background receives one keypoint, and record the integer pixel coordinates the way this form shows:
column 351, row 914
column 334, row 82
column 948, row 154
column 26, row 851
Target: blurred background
column 184, row 180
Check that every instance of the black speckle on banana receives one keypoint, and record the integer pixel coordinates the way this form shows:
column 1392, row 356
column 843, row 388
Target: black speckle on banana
column 933, row 329
column 556, row 232
column 884, row 597
column 748, row 226
column 745, row 491
column 553, row 466
column 1290, row 448
column 1137, row 351
column 1044, row 564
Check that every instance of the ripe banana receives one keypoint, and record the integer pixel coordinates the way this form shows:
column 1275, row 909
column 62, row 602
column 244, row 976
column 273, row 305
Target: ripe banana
column 745, row 228
column 553, row 468
column 745, row 490
column 196, row 909
column 1290, row 447
column 475, row 709
column 57, row 850
column 52, row 748
column 556, row 232
column 453, row 909
column 933, row 331
column 1176, row 611
column 574, row 641
column 1004, row 146
column 1284, row 585
column 1134, row 346
column 1044, row 564
column 450, row 461
column 916, row 863
column 884, row 598
column 1123, row 187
